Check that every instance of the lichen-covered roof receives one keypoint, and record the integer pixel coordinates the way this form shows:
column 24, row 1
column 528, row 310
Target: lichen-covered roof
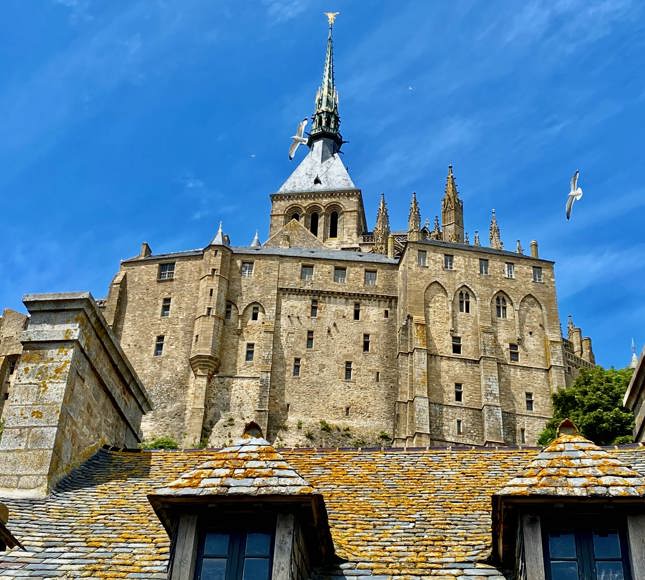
column 394, row 513
column 250, row 467
column 572, row 466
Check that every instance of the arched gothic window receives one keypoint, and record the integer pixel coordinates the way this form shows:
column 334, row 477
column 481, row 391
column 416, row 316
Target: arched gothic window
column 500, row 307
column 464, row 301
column 333, row 224
column 313, row 223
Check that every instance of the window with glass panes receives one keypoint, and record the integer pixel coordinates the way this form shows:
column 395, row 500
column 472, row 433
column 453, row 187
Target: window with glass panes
column 246, row 270
column 166, row 271
column 340, row 275
column 235, row 556
column 307, row 273
column 314, row 308
column 448, row 261
column 370, row 277
column 165, row 307
column 422, row 258
column 483, row 267
column 537, row 274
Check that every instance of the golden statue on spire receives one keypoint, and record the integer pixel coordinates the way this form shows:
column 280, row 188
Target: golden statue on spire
column 331, row 17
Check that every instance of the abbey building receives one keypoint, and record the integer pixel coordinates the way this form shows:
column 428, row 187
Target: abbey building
column 336, row 333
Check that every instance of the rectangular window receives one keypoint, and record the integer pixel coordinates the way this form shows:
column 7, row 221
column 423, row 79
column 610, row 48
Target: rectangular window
column 537, row 274
column 460, row 427
column 314, row 308
column 340, row 275
column 165, row 307
column 448, row 261
column 210, row 292
column 255, row 312
column 307, row 273
column 348, row 370
column 422, row 258
column 229, row 311
column 529, row 401
column 593, row 551
column 166, row 271
column 366, row 343
column 250, row 351
column 378, row 376
column 456, row 345
column 386, row 313
column 296, row 367
column 522, row 436
column 459, row 393
column 346, row 411
column 247, row 269
column 159, row 345
column 310, row 339
column 357, row 310
column 510, row 270
column 235, row 555
column 483, row 267
column 209, row 311
column 370, row 277
column 514, row 352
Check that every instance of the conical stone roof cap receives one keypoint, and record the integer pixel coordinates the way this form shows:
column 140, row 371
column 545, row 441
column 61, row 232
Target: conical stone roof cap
column 251, row 466
column 572, row 466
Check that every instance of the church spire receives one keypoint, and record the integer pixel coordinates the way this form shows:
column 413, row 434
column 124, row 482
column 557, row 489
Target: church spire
column 452, row 211
column 326, row 121
column 634, row 362
column 414, row 220
column 382, row 228
column 494, row 235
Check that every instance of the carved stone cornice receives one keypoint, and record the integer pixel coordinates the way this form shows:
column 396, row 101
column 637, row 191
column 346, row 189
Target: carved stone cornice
column 338, row 293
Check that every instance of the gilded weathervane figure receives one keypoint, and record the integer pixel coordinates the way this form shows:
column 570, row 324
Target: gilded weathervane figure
column 331, row 16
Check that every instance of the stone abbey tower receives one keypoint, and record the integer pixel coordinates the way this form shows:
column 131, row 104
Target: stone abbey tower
column 330, row 332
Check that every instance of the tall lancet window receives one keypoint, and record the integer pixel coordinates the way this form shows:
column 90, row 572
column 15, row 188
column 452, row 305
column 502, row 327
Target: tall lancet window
column 500, row 307
column 333, row 224
column 313, row 223
column 464, row 301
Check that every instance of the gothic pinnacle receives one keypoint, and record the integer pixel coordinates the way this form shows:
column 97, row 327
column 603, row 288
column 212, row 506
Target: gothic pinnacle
column 382, row 227
column 414, row 217
column 494, row 235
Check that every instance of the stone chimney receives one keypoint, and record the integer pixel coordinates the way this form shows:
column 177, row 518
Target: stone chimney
column 73, row 391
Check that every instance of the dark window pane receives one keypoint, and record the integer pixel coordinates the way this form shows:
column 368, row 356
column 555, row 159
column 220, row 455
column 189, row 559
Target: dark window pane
column 564, row 571
column 256, row 569
column 562, row 546
column 258, row 544
column 213, row 569
column 609, row 571
column 216, row 545
column 606, row 545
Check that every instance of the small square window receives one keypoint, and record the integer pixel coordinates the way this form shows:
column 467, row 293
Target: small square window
column 250, row 351
column 456, row 345
column 422, row 258
column 159, row 345
column 255, row 312
column 460, row 427
column 314, row 308
column 247, row 269
column 310, row 339
column 459, row 393
column 510, row 270
column 340, row 275
column 514, row 352
column 528, row 397
column 366, row 343
column 296, row 367
column 357, row 310
column 165, row 307
column 370, row 277
column 307, row 273
column 483, row 267
column 348, row 370
column 166, row 271
column 537, row 274
column 448, row 261
column 229, row 311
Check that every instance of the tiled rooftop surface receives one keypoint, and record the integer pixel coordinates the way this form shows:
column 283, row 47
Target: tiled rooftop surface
column 392, row 513
column 573, row 466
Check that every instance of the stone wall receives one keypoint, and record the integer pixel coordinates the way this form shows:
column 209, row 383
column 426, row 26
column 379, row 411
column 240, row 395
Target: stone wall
column 73, row 392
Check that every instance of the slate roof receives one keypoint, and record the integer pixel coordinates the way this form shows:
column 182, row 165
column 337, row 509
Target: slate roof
column 392, row 513
column 251, row 467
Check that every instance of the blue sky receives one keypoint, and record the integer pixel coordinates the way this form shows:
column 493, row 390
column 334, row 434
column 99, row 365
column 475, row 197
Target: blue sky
column 152, row 120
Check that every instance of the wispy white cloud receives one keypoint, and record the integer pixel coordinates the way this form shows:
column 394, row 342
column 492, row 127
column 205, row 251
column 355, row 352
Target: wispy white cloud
column 280, row 11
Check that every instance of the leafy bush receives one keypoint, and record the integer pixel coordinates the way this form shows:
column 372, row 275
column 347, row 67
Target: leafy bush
column 163, row 442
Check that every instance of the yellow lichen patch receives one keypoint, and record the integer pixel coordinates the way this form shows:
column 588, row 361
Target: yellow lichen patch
column 36, row 414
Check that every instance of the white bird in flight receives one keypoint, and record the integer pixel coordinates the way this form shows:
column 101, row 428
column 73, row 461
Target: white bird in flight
column 575, row 194
column 298, row 138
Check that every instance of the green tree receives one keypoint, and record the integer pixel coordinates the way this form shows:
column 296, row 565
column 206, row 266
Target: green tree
column 595, row 404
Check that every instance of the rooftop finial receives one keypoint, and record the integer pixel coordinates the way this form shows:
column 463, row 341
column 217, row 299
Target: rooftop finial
column 414, row 219
column 326, row 120
column 255, row 243
column 219, row 239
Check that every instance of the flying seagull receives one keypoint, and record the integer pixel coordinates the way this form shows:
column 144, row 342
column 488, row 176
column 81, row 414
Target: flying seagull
column 298, row 138
column 575, row 194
